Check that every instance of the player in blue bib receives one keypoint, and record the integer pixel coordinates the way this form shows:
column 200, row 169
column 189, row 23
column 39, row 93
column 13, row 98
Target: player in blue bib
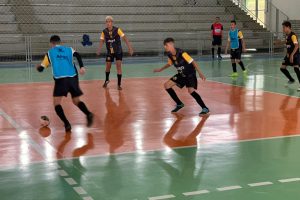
column 65, row 77
column 237, row 45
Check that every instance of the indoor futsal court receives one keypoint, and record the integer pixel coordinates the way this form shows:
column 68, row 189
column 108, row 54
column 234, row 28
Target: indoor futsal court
column 243, row 144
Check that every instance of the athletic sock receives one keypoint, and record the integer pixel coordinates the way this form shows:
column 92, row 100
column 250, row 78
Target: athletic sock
column 83, row 108
column 242, row 65
column 174, row 96
column 296, row 69
column 219, row 51
column 213, row 52
column 107, row 76
column 119, row 79
column 287, row 74
column 234, row 67
column 199, row 100
column 60, row 112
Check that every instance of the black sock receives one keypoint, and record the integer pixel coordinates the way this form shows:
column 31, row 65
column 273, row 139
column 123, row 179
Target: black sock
column 296, row 69
column 287, row 74
column 83, row 108
column 234, row 67
column 119, row 79
column 174, row 96
column 198, row 98
column 219, row 51
column 60, row 112
column 242, row 65
column 213, row 51
column 107, row 76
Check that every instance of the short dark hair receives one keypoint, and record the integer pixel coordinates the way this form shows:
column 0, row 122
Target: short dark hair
column 233, row 21
column 217, row 17
column 287, row 24
column 168, row 40
column 55, row 39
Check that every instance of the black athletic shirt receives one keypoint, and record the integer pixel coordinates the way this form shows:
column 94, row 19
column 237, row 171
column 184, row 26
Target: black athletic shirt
column 113, row 40
column 182, row 62
column 291, row 40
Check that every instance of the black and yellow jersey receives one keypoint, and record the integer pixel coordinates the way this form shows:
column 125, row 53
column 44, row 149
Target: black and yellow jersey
column 183, row 62
column 291, row 41
column 112, row 39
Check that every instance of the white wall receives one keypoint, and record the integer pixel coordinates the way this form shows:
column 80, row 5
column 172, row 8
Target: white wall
column 290, row 7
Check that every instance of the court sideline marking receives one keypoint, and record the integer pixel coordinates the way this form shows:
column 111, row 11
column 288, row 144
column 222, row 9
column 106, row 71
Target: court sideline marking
column 62, row 173
column 227, row 188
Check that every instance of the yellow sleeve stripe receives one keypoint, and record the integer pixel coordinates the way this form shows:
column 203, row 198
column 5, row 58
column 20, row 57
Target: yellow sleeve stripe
column 102, row 36
column 187, row 58
column 45, row 62
column 170, row 61
column 240, row 34
column 294, row 39
column 121, row 33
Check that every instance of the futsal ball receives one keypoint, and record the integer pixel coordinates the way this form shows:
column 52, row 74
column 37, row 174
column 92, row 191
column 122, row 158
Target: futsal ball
column 45, row 131
column 44, row 121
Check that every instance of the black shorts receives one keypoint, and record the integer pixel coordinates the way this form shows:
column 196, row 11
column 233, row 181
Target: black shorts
column 217, row 40
column 65, row 85
column 236, row 54
column 112, row 57
column 286, row 61
column 187, row 81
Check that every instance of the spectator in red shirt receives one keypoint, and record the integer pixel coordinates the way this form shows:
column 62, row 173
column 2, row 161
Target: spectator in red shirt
column 217, row 33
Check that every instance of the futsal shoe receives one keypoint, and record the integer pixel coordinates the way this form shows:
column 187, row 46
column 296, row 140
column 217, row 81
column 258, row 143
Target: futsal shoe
column 290, row 82
column 105, row 84
column 90, row 119
column 178, row 107
column 119, row 87
column 234, row 75
column 298, row 89
column 68, row 128
column 245, row 72
column 205, row 111
column 220, row 57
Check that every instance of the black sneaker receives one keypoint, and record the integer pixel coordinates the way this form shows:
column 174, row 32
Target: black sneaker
column 90, row 119
column 119, row 87
column 178, row 107
column 205, row 111
column 68, row 127
column 220, row 57
column 105, row 84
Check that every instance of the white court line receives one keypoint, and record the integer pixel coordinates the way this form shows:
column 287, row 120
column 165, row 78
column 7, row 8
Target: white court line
column 289, row 180
column 196, row 193
column 70, row 181
column 38, row 148
column 87, row 198
column 170, row 196
column 235, row 187
column 79, row 190
column 260, row 184
column 63, row 173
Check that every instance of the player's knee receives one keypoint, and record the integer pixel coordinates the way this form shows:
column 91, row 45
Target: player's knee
column 191, row 90
column 167, row 85
column 283, row 67
column 75, row 101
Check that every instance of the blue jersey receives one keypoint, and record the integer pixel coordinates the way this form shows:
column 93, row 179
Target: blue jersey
column 234, row 36
column 61, row 60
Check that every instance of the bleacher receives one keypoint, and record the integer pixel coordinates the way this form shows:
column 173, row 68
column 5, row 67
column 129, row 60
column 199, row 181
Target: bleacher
column 146, row 23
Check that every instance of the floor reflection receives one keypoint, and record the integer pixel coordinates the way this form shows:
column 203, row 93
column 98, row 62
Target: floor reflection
column 114, row 121
column 183, row 168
